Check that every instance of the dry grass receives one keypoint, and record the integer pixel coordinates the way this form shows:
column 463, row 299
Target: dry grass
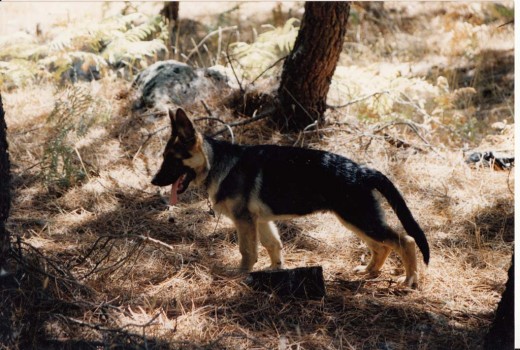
column 107, row 262
column 97, row 233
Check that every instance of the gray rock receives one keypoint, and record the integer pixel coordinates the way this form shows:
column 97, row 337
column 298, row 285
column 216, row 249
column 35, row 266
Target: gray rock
column 168, row 82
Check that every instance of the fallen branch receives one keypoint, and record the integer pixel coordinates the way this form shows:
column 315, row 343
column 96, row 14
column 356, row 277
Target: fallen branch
column 40, row 268
column 119, row 262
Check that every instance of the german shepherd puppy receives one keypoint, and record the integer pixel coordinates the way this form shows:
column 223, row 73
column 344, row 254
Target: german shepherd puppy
column 255, row 185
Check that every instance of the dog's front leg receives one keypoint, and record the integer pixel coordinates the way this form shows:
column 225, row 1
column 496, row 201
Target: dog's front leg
column 270, row 239
column 247, row 243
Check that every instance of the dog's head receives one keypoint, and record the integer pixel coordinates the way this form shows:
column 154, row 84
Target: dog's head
column 184, row 159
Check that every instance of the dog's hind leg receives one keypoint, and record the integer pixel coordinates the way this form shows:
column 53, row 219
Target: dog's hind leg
column 270, row 239
column 379, row 251
column 247, row 243
column 403, row 245
column 366, row 220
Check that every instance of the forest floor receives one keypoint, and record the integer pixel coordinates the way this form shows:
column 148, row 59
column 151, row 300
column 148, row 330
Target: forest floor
column 99, row 259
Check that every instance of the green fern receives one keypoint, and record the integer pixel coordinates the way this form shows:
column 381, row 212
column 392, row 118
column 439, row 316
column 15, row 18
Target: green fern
column 139, row 46
column 74, row 113
column 130, row 42
column 18, row 73
column 268, row 47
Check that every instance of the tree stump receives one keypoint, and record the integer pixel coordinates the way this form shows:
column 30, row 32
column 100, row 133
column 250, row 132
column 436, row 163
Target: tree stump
column 302, row 282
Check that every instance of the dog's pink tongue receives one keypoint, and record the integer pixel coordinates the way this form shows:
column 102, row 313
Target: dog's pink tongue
column 173, row 194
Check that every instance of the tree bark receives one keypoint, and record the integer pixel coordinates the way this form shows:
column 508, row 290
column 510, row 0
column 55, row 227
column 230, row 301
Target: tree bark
column 170, row 11
column 502, row 332
column 5, row 195
column 308, row 70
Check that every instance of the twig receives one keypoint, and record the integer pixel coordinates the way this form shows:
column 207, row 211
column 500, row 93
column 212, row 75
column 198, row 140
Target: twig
column 48, row 260
column 227, row 126
column 107, row 254
column 90, row 251
column 126, row 257
column 305, row 130
column 219, row 44
column 100, row 327
column 271, row 66
column 149, row 323
column 505, row 24
column 299, row 104
column 209, row 35
column 400, row 143
column 152, row 240
column 255, row 118
column 359, row 99
column 211, row 60
column 82, row 164
column 214, row 343
column 27, row 131
column 206, row 108
column 233, row 69
column 414, row 105
column 148, row 137
column 198, row 52
column 66, row 277
column 414, row 129
column 95, row 326
column 508, row 185
column 31, row 166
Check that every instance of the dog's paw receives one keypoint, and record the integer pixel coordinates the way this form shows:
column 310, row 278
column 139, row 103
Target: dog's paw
column 409, row 281
column 361, row 269
column 365, row 270
column 277, row 266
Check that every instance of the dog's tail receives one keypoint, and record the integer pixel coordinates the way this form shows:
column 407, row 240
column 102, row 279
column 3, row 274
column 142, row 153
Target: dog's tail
column 381, row 183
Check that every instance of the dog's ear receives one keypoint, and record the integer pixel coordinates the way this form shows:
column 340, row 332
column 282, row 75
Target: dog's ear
column 185, row 128
column 171, row 114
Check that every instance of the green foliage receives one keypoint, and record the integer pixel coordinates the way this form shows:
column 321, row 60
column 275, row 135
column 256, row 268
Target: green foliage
column 388, row 91
column 500, row 11
column 138, row 46
column 268, row 47
column 74, row 113
column 18, row 73
column 130, row 42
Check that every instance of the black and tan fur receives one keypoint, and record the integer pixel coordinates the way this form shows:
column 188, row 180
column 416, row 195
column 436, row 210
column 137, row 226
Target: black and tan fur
column 256, row 185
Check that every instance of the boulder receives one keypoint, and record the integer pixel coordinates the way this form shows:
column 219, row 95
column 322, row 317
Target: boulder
column 171, row 81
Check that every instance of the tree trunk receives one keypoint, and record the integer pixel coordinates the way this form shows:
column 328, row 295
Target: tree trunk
column 502, row 332
column 308, row 70
column 170, row 11
column 5, row 198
